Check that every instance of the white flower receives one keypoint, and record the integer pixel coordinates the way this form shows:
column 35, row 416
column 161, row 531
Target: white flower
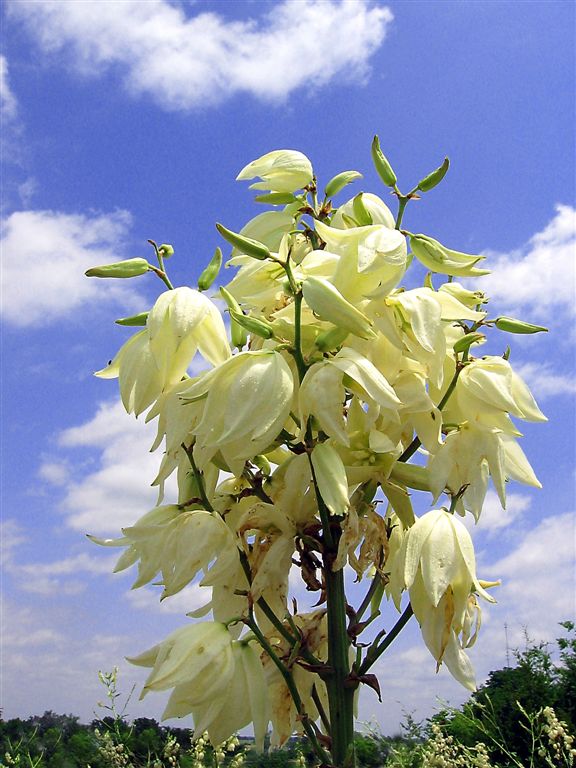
column 245, row 701
column 283, row 170
column 182, row 322
column 197, row 654
column 248, row 399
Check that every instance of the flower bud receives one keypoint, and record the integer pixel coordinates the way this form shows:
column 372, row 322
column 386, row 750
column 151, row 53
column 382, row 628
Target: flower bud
column 128, row 268
column 470, row 299
column 238, row 333
column 382, row 165
column 331, row 339
column 434, row 178
column 244, row 244
column 139, row 319
column 361, row 213
column 211, row 272
column 436, row 257
column 411, row 475
column 512, row 325
column 327, row 302
column 166, row 250
column 276, row 198
column 330, row 475
column 253, row 325
column 338, row 182
column 465, row 342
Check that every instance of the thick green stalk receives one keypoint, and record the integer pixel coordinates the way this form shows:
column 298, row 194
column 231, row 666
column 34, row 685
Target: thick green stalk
column 340, row 692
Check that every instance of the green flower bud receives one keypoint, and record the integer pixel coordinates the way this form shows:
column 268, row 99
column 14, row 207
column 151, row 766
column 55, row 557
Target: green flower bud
column 139, row 319
column 331, row 339
column 276, row 198
column 166, row 250
column 411, row 475
column 211, row 272
column 361, row 213
column 326, row 301
column 263, row 464
column 252, row 324
column 466, row 341
column 382, row 165
column 330, row 476
column 339, row 181
column 512, row 325
column 238, row 334
column 245, row 244
column 434, row 178
column 128, row 268
column 437, row 258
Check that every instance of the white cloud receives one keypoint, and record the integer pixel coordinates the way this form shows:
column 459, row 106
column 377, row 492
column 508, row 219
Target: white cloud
column 188, row 62
column 8, row 103
column 538, row 580
column 544, row 381
column 539, row 279
column 191, row 598
column 45, row 256
column 114, row 490
column 55, row 472
column 537, row 591
column 11, row 536
column 493, row 518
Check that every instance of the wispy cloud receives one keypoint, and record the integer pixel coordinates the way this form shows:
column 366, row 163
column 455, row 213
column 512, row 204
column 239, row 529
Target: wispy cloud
column 538, row 279
column 8, row 102
column 111, row 488
column 544, row 381
column 43, row 280
column 186, row 61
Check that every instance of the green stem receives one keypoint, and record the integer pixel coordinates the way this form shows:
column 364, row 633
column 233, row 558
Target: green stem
column 365, row 604
column 161, row 272
column 402, row 203
column 163, row 276
column 273, row 619
column 416, row 443
column 340, row 693
column 294, row 693
column 199, row 478
column 374, row 653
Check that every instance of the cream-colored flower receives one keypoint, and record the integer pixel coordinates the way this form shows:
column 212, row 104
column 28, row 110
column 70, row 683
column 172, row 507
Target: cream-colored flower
column 249, row 383
column 245, row 701
column 283, row 170
column 182, row 322
column 440, row 574
column 375, row 206
column 199, row 655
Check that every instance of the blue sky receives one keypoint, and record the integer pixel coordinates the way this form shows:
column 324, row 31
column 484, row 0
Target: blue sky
column 124, row 121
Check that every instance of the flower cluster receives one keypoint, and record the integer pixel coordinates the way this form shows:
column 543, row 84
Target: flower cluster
column 335, row 392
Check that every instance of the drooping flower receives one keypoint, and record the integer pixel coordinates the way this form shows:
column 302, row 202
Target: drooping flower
column 283, row 170
column 182, row 322
column 251, row 382
column 439, row 571
column 199, row 655
column 245, row 700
